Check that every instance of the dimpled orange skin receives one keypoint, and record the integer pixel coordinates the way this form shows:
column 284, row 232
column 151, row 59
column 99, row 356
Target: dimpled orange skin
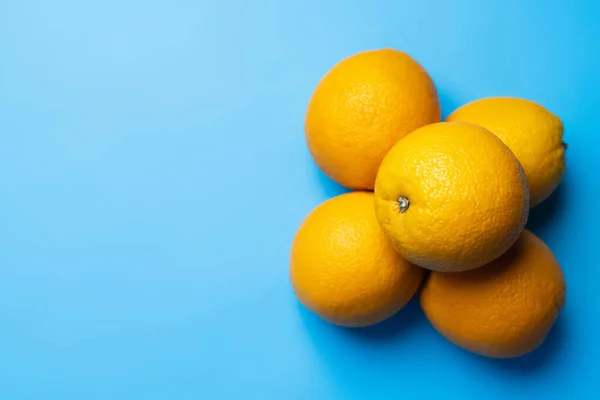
column 364, row 105
column 468, row 197
column 532, row 132
column 344, row 269
column 504, row 309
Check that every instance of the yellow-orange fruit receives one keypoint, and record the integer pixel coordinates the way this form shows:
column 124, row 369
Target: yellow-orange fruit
column 503, row 309
column 343, row 268
column 532, row 132
column 451, row 197
column 364, row 105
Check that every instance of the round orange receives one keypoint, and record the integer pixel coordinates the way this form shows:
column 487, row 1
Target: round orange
column 364, row 105
column 344, row 269
column 451, row 197
column 532, row 132
column 504, row 309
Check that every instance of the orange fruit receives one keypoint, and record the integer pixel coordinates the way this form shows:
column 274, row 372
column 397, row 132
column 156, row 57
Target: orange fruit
column 344, row 269
column 451, row 197
column 532, row 132
column 504, row 309
column 364, row 105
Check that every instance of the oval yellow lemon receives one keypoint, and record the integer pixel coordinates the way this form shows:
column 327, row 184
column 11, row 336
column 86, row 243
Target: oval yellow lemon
column 532, row 132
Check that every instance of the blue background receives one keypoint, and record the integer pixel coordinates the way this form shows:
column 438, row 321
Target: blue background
column 153, row 171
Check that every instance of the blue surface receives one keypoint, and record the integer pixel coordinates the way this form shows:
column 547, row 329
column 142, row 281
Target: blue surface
column 153, row 172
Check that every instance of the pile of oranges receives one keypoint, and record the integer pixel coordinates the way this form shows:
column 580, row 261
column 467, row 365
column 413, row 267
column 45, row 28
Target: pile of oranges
column 437, row 206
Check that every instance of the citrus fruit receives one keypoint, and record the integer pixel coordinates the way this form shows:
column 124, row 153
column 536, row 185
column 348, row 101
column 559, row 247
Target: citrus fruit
column 344, row 269
column 503, row 309
column 364, row 105
column 451, row 197
column 532, row 132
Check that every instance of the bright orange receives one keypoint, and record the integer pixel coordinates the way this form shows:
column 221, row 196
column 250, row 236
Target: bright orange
column 532, row 132
column 364, row 105
column 504, row 309
column 466, row 196
column 343, row 267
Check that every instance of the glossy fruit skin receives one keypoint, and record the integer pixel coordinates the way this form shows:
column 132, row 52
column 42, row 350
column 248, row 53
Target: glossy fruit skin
column 468, row 197
column 361, row 108
column 504, row 309
column 532, row 132
column 343, row 268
